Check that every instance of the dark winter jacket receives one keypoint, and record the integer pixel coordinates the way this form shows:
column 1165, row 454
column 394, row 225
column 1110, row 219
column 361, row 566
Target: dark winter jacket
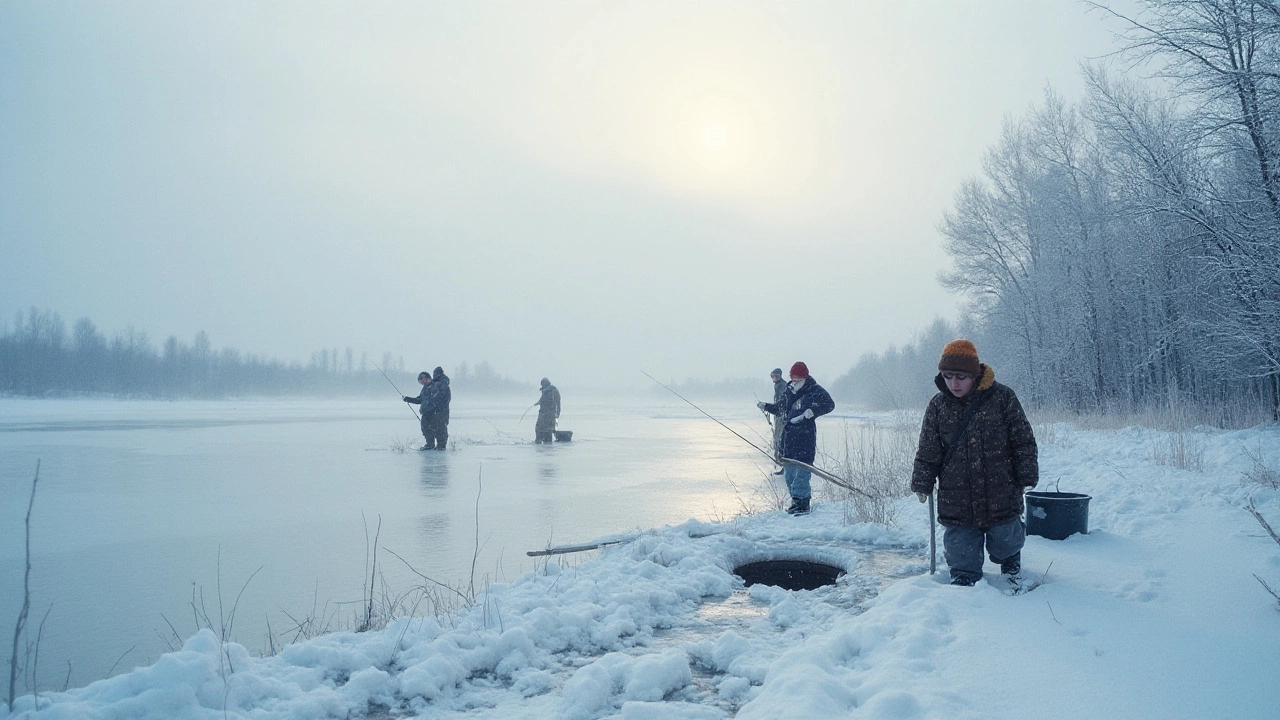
column 436, row 404
column 800, row 439
column 994, row 462
column 424, row 396
column 548, row 409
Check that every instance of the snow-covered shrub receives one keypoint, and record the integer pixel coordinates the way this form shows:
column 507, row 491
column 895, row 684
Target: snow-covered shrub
column 1179, row 449
column 877, row 460
column 1261, row 473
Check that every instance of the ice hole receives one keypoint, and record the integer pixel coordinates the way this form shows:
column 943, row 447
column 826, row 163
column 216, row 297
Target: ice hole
column 789, row 574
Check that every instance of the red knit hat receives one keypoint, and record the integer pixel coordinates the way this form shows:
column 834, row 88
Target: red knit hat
column 800, row 370
column 960, row 356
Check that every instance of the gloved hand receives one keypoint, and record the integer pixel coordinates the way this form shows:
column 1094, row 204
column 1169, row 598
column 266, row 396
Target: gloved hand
column 408, row 399
column 923, row 497
column 760, row 405
column 807, row 415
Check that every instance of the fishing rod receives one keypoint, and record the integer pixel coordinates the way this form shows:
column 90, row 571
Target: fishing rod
column 402, row 395
column 526, row 412
column 768, row 418
column 785, row 461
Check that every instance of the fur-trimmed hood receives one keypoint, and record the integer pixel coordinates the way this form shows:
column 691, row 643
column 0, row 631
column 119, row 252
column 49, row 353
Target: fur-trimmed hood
column 985, row 382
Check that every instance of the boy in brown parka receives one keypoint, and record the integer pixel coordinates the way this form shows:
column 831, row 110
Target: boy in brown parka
column 976, row 442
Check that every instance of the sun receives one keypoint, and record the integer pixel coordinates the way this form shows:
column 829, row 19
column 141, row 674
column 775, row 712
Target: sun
column 714, row 137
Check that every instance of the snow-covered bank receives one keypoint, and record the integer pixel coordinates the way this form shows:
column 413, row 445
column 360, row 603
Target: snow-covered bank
column 1155, row 613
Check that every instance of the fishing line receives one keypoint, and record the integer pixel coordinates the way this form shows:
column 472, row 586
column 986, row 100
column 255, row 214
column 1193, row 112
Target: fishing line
column 402, row 395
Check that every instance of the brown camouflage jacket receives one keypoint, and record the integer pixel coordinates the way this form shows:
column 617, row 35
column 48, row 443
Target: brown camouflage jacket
column 995, row 462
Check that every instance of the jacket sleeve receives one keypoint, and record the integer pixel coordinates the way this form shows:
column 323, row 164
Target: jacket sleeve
column 822, row 403
column 929, row 452
column 1022, row 442
column 772, row 408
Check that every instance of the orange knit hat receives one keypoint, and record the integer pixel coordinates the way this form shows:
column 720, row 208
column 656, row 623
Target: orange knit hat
column 960, row 356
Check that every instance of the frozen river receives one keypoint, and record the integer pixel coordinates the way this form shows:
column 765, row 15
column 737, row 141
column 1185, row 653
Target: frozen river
column 143, row 505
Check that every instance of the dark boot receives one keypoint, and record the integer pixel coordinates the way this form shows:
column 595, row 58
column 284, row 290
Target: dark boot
column 795, row 505
column 802, row 506
column 1012, row 566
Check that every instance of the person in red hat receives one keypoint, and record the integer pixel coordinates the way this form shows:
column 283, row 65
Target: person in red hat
column 976, row 443
column 803, row 401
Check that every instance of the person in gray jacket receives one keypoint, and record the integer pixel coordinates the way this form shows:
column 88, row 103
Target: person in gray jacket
column 779, row 390
column 548, row 412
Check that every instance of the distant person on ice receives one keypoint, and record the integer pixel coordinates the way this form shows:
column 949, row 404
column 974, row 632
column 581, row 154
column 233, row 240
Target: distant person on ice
column 976, row 441
column 423, row 399
column 437, row 409
column 548, row 412
column 802, row 402
column 779, row 390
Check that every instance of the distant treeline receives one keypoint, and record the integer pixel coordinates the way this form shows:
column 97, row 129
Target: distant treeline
column 39, row 358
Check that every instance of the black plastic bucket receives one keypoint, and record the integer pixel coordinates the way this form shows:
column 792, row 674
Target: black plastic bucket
column 564, row 435
column 1057, row 515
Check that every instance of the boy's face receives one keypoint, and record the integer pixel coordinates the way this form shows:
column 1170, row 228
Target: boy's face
column 958, row 383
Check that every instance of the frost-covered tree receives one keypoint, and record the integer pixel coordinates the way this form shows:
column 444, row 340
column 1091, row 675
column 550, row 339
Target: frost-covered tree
column 1125, row 252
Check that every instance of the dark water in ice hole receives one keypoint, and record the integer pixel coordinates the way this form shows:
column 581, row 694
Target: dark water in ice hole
column 877, row 567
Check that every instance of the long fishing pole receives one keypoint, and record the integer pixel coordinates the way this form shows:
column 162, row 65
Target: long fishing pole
column 526, row 412
column 785, row 461
column 402, row 395
column 768, row 418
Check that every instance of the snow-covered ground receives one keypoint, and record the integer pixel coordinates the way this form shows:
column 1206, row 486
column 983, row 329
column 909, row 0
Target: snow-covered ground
column 1154, row 614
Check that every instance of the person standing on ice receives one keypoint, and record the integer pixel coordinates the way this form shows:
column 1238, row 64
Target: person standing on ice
column 437, row 409
column 976, row 442
column 548, row 412
column 779, row 390
column 802, row 402
column 424, row 396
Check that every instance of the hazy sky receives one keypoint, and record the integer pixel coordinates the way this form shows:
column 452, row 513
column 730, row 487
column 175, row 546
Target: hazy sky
column 581, row 190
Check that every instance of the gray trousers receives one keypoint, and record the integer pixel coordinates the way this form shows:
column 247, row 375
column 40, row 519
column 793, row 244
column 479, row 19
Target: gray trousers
column 962, row 546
